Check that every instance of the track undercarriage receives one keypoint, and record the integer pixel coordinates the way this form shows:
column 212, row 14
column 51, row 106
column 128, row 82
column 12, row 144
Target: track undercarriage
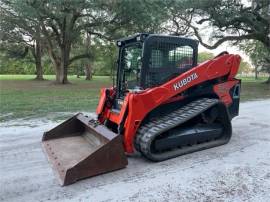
column 199, row 125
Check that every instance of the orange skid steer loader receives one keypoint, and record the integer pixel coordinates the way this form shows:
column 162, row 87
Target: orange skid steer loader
column 163, row 105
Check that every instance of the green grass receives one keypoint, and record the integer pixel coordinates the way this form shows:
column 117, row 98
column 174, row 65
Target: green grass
column 252, row 79
column 23, row 97
column 254, row 89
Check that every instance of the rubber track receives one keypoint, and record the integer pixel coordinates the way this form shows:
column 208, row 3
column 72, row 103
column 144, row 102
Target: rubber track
column 148, row 132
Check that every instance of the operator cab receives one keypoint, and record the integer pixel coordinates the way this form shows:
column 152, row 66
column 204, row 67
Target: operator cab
column 149, row 60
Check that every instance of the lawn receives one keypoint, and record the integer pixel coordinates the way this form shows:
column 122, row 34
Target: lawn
column 254, row 89
column 23, row 97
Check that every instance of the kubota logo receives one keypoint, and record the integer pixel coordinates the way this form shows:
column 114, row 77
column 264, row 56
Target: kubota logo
column 185, row 81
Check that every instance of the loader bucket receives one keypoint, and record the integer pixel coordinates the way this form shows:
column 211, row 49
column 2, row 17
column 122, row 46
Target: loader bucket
column 77, row 149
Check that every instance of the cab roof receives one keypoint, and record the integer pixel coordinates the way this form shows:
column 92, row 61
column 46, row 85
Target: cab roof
column 143, row 36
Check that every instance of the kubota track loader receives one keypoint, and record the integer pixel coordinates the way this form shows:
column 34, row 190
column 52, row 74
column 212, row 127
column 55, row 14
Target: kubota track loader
column 163, row 105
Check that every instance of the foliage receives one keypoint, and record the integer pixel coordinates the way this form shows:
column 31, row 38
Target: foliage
column 63, row 24
column 229, row 20
column 9, row 65
column 258, row 53
column 19, row 28
column 25, row 65
column 203, row 56
column 60, row 28
column 106, row 56
column 244, row 68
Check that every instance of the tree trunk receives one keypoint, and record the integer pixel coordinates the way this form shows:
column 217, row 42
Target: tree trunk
column 78, row 73
column 256, row 72
column 60, row 77
column 88, row 71
column 63, row 40
column 88, row 66
column 65, row 52
column 61, row 73
column 39, row 67
column 62, row 70
column 37, row 54
column 57, row 65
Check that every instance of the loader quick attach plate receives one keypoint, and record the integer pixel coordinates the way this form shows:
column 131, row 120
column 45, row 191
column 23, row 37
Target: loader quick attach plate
column 77, row 149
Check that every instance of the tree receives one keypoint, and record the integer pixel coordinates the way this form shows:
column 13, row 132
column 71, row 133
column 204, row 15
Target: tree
column 64, row 21
column 61, row 28
column 259, row 55
column 244, row 68
column 18, row 29
column 106, row 56
column 61, row 23
column 230, row 20
column 84, row 65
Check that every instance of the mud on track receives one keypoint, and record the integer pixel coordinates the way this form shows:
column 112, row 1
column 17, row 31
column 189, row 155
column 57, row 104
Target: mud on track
column 238, row 171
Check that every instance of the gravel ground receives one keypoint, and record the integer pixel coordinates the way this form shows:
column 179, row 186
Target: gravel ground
column 238, row 171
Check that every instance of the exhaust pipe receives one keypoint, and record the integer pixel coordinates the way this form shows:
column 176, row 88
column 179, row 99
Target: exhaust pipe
column 79, row 148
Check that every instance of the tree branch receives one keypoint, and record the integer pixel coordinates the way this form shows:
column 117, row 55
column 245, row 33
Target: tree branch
column 99, row 35
column 222, row 40
column 50, row 44
column 55, row 30
column 77, row 57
